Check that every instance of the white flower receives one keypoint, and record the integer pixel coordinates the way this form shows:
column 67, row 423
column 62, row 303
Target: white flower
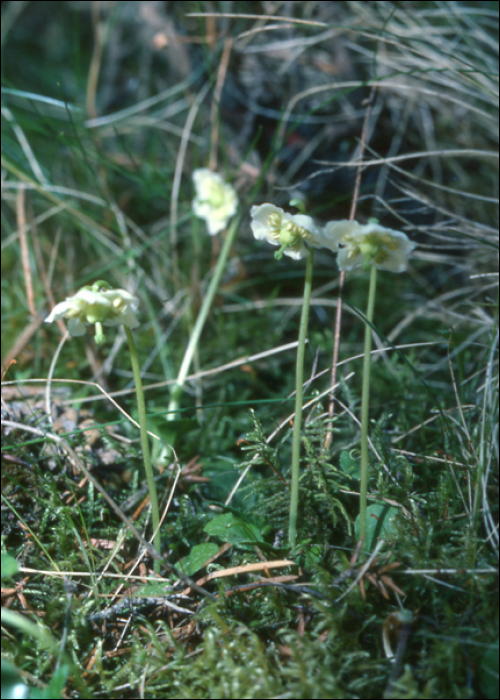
column 370, row 244
column 272, row 224
column 96, row 304
column 215, row 200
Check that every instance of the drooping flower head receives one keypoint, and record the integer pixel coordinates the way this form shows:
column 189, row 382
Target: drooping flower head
column 98, row 304
column 289, row 231
column 371, row 244
column 215, row 200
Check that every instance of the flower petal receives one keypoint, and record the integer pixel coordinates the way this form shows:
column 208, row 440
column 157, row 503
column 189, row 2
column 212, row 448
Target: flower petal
column 76, row 327
column 111, row 307
column 277, row 227
column 59, row 311
column 385, row 248
column 215, row 202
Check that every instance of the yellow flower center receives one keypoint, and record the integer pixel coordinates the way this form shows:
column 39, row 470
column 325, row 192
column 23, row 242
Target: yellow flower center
column 215, row 195
column 374, row 246
column 288, row 232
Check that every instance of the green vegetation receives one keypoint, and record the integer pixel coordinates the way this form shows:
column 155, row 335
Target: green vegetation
column 107, row 111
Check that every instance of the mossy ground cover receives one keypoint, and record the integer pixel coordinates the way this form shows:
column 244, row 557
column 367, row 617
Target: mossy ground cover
column 107, row 109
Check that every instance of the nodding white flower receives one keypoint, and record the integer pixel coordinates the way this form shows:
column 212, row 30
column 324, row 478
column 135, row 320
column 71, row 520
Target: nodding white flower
column 371, row 244
column 290, row 231
column 215, row 200
column 97, row 304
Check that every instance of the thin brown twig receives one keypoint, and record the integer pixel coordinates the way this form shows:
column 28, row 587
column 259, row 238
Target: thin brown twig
column 95, row 64
column 221, row 76
column 210, row 31
column 338, row 315
column 25, row 254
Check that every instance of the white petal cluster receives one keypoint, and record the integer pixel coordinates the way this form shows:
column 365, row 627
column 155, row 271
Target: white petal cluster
column 215, row 202
column 354, row 243
column 275, row 226
column 111, row 307
column 371, row 244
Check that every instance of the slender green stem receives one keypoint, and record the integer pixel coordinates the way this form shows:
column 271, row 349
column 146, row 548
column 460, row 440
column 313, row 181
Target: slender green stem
column 173, row 406
column 365, row 401
column 299, row 381
column 141, row 406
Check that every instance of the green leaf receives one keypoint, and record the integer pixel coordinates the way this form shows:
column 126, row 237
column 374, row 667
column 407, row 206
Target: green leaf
column 153, row 590
column 198, row 556
column 380, row 524
column 231, row 529
column 349, row 465
column 9, row 566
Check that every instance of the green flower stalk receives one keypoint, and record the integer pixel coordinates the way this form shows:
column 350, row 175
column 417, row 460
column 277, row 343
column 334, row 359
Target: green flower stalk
column 176, row 393
column 102, row 306
column 374, row 247
column 365, row 401
column 299, row 384
column 296, row 235
column 215, row 202
column 146, row 455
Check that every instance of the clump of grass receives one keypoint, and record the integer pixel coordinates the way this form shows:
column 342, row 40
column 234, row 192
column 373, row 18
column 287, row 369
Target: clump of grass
column 100, row 138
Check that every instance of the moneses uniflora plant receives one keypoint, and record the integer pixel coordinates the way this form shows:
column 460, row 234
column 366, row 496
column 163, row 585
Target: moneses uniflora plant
column 97, row 304
column 101, row 305
column 292, row 232
column 215, row 201
column 368, row 245
column 371, row 246
column 297, row 235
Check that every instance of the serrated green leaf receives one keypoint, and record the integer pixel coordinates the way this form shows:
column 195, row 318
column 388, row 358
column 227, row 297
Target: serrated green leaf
column 198, row 556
